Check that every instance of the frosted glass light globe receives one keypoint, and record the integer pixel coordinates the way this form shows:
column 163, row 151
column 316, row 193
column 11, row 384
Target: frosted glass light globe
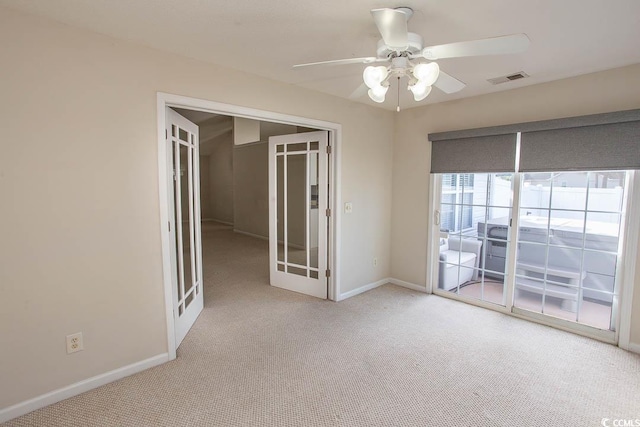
column 377, row 93
column 420, row 91
column 426, row 73
column 373, row 76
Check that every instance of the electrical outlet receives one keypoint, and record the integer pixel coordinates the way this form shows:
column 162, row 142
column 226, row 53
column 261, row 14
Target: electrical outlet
column 375, row 262
column 74, row 343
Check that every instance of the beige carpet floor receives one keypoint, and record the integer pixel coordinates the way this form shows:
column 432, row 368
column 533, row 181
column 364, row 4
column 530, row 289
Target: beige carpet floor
column 261, row 356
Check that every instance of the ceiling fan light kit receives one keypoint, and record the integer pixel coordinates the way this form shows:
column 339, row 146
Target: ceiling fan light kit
column 421, row 77
column 377, row 93
column 427, row 73
column 399, row 47
column 374, row 76
column 420, row 91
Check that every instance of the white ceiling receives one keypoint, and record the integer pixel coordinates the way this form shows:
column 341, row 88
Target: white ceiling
column 568, row 37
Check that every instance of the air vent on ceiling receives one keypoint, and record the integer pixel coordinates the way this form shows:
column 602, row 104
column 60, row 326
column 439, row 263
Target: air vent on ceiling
column 516, row 76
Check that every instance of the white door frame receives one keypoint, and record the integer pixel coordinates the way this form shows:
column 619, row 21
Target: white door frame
column 165, row 100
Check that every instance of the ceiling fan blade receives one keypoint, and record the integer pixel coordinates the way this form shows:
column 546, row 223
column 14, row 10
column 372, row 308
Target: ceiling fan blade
column 392, row 24
column 359, row 92
column 448, row 84
column 515, row 43
column 364, row 60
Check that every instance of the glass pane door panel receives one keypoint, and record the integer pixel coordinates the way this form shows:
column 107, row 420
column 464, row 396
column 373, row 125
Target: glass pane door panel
column 568, row 245
column 534, row 225
column 564, row 265
column 569, row 190
column 447, row 216
column 194, row 214
column 280, row 204
column 528, row 294
column 603, row 231
column 297, row 270
column 566, row 228
column 474, row 215
column 536, row 192
column 601, row 271
column 594, row 312
column 606, row 191
column 183, row 135
column 313, row 207
column 186, row 215
column 176, row 215
column 493, row 288
column 530, row 254
column 296, row 209
column 297, row 147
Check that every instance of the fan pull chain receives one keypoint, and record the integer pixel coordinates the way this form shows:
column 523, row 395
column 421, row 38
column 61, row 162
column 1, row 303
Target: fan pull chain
column 398, row 107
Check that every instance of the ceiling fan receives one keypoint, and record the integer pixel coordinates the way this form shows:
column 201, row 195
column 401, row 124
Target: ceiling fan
column 403, row 52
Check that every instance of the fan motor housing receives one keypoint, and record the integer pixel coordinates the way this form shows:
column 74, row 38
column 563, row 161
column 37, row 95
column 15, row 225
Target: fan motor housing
column 414, row 47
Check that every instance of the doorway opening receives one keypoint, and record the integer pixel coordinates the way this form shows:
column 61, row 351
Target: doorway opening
column 233, row 182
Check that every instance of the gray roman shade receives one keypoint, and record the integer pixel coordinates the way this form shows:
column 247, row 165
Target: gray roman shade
column 495, row 153
column 608, row 141
column 599, row 147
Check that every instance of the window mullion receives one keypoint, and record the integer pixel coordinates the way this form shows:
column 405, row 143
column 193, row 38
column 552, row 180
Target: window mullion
column 512, row 239
column 584, row 243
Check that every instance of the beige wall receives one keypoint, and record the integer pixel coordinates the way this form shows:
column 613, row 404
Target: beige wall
column 80, row 222
column 205, row 198
column 251, row 189
column 612, row 90
column 221, row 179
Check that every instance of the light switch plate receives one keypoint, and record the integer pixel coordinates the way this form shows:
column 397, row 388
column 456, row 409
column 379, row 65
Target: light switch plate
column 348, row 207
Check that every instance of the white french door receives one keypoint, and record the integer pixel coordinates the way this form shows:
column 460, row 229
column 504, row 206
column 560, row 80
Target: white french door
column 298, row 194
column 184, row 217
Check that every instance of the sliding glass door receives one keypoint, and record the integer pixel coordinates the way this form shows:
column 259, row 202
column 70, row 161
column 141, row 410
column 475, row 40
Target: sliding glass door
column 563, row 259
column 530, row 218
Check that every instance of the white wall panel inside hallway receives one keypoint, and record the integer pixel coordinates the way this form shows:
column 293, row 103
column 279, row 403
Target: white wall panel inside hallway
column 81, row 242
column 605, row 91
column 251, row 189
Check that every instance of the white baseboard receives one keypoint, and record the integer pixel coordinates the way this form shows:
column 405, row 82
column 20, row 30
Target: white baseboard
column 216, row 220
column 384, row 281
column 634, row 348
column 407, row 285
column 257, row 236
column 362, row 289
column 54, row 396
